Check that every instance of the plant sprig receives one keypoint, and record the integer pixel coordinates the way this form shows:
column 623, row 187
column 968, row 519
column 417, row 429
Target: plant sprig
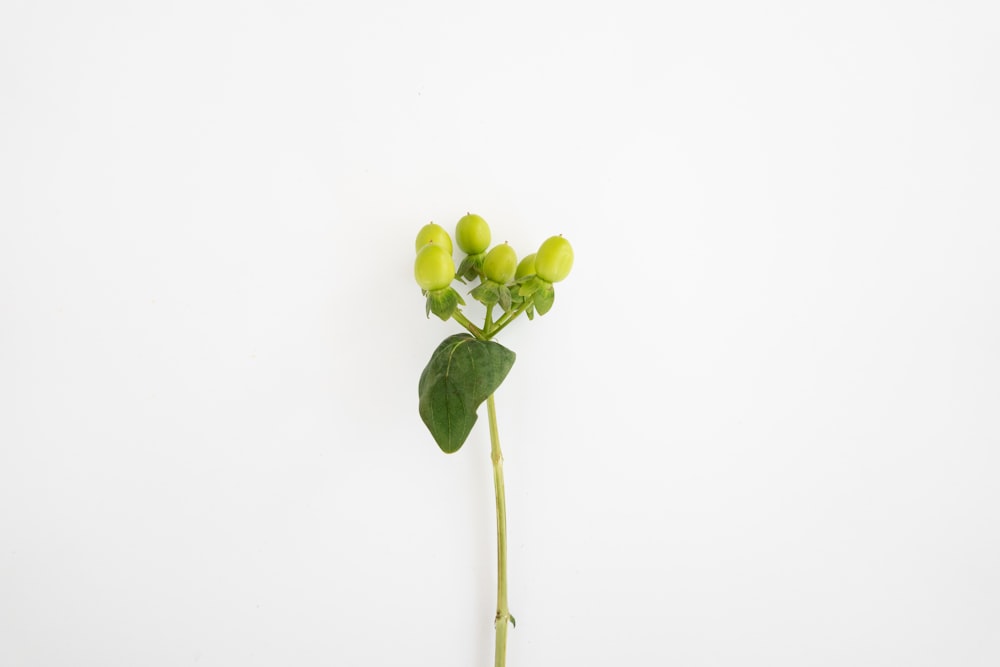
column 467, row 368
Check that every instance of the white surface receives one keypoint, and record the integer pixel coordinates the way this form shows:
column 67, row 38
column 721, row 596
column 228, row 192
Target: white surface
column 759, row 427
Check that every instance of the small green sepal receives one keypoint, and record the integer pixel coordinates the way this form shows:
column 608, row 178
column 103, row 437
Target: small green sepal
column 529, row 285
column 471, row 267
column 443, row 302
column 544, row 298
column 487, row 294
column 505, row 297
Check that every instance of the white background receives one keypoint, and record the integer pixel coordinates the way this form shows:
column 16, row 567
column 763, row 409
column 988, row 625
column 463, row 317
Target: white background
column 759, row 427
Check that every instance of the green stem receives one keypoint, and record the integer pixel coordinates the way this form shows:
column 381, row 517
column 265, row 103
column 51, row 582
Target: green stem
column 488, row 324
column 464, row 321
column 507, row 319
column 503, row 613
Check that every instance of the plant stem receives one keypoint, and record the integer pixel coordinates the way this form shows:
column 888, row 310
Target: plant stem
column 489, row 319
column 503, row 613
column 464, row 321
column 506, row 319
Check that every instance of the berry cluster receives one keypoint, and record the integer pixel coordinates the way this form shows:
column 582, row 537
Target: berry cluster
column 516, row 287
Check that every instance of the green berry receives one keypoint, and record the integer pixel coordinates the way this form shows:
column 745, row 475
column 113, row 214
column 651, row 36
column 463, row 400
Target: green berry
column 472, row 234
column 554, row 259
column 526, row 267
column 500, row 264
column 434, row 268
column 432, row 233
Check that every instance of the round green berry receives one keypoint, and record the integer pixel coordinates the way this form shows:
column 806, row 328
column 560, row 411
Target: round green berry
column 500, row 264
column 434, row 268
column 554, row 259
column 526, row 267
column 472, row 234
column 432, row 233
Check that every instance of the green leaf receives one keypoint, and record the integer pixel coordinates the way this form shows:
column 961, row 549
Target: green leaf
column 461, row 374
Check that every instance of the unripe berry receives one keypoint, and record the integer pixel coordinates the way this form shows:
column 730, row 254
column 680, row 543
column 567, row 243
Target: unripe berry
column 472, row 234
column 432, row 233
column 526, row 267
column 500, row 264
column 434, row 268
column 554, row 259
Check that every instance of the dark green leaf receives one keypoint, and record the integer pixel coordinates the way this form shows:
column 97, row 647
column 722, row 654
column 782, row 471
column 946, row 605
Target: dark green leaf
column 460, row 375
